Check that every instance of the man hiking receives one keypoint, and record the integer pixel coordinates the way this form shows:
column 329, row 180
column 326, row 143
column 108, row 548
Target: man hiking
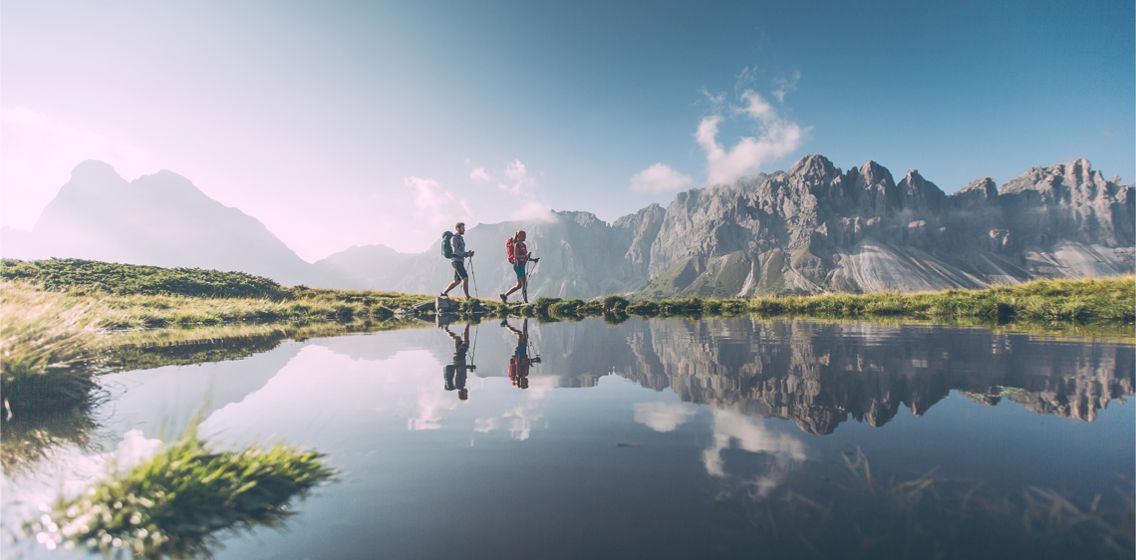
column 518, row 255
column 457, row 260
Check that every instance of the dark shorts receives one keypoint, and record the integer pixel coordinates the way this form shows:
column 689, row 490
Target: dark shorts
column 519, row 268
column 459, row 270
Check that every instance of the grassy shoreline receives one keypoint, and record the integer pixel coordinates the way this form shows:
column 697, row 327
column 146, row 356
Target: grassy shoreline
column 136, row 296
column 68, row 314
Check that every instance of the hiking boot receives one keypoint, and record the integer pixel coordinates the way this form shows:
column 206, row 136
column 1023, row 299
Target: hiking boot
column 504, row 299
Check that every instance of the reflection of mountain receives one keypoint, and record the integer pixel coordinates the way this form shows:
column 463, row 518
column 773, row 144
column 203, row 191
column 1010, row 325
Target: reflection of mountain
column 162, row 401
column 818, row 374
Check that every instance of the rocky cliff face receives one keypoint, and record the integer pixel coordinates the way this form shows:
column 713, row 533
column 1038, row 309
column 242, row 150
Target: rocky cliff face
column 815, row 228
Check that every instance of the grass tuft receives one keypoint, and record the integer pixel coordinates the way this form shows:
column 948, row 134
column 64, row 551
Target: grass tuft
column 175, row 503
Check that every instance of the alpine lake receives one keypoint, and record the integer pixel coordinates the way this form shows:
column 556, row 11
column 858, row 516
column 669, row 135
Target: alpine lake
column 648, row 438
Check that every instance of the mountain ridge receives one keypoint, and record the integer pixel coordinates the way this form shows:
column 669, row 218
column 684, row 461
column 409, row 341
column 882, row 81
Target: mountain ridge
column 811, row 228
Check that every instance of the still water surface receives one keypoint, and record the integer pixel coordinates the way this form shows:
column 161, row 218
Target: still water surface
column 704, row 438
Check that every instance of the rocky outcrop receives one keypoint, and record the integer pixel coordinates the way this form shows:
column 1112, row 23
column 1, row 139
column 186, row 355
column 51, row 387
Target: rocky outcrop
column 815, row 228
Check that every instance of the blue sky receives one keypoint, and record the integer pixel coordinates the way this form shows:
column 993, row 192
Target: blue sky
column 345, row 123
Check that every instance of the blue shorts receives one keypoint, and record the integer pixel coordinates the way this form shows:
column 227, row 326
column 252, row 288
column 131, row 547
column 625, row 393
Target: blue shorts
column 519, row 268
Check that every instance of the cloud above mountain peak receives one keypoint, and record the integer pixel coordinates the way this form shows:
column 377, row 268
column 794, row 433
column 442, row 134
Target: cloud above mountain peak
column 776, row 137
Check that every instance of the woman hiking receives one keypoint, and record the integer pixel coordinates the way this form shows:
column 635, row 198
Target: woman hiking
column 518, row 255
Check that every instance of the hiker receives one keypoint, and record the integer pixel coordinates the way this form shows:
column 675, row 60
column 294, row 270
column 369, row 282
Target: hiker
column 453, row 247
column 520, row 362
column 518, row 255
column 455, row 373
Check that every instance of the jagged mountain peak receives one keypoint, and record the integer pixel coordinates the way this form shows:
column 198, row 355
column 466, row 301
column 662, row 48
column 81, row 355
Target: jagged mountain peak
column 871, row 174
column 984, row 187
column 1069, row 175
column 814, row 167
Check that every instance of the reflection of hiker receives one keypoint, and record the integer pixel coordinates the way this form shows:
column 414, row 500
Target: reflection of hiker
column 518, row 254
column 455, row 373
column 520, row 361
column 453, row 248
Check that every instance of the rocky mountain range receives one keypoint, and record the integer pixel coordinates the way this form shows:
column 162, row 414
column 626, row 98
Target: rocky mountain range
column 810, row 229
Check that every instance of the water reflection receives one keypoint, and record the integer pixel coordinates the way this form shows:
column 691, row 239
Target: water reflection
column 735, row 429
column 821, row 374
column 456, row 372
column 523, row 357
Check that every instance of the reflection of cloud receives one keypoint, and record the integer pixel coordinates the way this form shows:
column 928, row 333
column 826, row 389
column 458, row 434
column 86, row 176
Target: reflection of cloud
column 522, row 417
column 484, row 425
column 663, row 417
column 751, row 435
column 431, row 404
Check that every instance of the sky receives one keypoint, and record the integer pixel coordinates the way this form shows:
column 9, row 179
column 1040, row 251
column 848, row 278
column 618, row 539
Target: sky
column 351, row 123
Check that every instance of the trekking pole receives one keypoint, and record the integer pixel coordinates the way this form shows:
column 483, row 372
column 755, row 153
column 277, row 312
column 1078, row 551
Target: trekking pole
column 473, row 276
column 473, row 353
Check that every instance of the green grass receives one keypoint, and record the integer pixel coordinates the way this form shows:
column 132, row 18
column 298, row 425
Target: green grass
column 1106, row 305
column 112, row 278
column 1106, row 300
column 44, row 339
column 53, row 342
column 131, row 296
column 177, row 502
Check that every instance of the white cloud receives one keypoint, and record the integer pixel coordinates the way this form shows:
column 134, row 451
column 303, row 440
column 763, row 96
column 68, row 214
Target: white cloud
column 435, row 206
column 533, row 211
column 659, row 178
column 519, row 180
column 786, row 85
column 757, row 107
column 480, row 175
column 778, row 137
column 38, row 152
column 663, row 417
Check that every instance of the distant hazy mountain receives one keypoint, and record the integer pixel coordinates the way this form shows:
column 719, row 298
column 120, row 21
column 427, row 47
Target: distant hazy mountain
column 369, row 267
column 581, row 255
column 159, row 219
column 812, row 228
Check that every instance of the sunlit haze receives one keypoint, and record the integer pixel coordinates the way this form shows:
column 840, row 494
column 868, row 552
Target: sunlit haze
column 340, row 124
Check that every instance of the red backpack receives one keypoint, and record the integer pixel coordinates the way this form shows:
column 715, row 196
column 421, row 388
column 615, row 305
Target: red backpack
column 509, row 251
